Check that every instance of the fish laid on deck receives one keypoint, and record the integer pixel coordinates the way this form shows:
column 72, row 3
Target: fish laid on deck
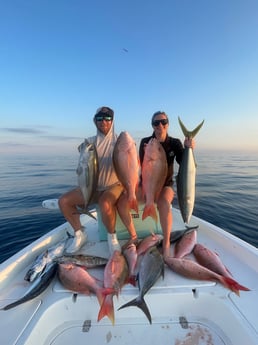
column 148, row 242
column 193, row 270
column 210, row 260
column 45, row 258
column 37, row 287
column 87, row 172
column 154, row 172
column 115, row 276
column 78, row 279
column 175, row 235
column 87, row 261
column 186, row 176
column 130, row 253
column 186, row 244
column 126, row 163
column 150, row 270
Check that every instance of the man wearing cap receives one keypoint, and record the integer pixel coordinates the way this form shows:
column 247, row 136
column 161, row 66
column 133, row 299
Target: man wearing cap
column 108, row 188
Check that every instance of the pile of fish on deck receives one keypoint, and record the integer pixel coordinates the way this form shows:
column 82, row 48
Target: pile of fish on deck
column 140, row 264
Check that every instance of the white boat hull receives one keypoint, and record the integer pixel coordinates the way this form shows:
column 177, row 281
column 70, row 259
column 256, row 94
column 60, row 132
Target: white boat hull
column 184, row 311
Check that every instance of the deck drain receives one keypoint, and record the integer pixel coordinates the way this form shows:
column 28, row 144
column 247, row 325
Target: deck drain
column 86, row 326
column 183, row 322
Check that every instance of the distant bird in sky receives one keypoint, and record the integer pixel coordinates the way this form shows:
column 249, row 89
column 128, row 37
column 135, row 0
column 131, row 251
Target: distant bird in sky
column 125, row 50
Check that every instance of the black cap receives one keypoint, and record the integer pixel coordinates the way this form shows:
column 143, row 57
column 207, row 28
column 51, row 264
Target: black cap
column 106, row 111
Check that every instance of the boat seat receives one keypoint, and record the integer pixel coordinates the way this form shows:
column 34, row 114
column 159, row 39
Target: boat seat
column 143, row 227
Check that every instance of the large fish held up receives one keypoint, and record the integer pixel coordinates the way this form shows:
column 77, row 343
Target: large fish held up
column 87, row 172
column 126, row 163
column 151, row 268
column 154, row 172
column 186, row 176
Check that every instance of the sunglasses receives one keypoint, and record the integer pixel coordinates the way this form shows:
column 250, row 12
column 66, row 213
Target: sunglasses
column 164, row 122
column 102, row 118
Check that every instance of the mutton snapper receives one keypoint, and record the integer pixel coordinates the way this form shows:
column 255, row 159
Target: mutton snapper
column 154, row 172
column 115, row 276
column 77, row 279
column 186, row 244
column 193, row 270
column 87, row 172
column 37, row 287
column 126, row 163
column 151, row 268
column 186, row 176
column 210, row 260
column 130, row 253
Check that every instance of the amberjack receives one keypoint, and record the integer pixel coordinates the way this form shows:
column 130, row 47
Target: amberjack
column 186, row 176
column 87, row 172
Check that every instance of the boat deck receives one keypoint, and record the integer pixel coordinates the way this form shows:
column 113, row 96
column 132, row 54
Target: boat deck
column 184, row 311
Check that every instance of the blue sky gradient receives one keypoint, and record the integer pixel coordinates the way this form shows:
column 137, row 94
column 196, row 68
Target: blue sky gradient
column 62, row 59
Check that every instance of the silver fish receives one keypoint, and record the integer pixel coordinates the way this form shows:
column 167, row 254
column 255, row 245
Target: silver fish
column 37, row 287
column 175, row 235
column 151, row 268
column 87, row 261
column 87, row 171
column 186, row 176
column 46, row 258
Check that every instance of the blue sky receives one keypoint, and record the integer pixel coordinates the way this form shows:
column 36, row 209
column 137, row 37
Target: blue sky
column 62, row 59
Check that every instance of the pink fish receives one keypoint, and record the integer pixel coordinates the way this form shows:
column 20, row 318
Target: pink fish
column 126, row 163
column 154, row 172
column 147, row 242
column 115, row 276
column 130, row 254
column 210, row 260
column 193, row 270
column 186, row 244
column 77, row 279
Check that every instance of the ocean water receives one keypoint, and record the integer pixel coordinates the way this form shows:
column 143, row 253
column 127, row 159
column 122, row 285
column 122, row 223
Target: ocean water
column 226, row 195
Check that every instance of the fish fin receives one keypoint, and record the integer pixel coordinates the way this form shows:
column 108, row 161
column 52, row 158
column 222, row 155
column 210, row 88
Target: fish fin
column 141, row 304
column 87, row 212
column 187, row 133
column 102, row 293
column 133, row 204
column 132, row 280
column 150, row 210
column 107, row 309
column 233, row 285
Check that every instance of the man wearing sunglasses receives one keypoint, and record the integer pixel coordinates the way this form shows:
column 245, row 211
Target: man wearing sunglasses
column 174, row 150
column 108, row 189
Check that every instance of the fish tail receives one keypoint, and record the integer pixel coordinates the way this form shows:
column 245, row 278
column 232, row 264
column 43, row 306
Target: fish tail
column 234, row 285
column 132, row 280
column 134, row 205
column 102, row 293
column 150, row 210
column 107, row 309
column 139, row 303
column 187, row 133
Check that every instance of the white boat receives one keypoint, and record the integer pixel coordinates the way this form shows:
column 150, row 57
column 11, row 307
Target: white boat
column 184, row 311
